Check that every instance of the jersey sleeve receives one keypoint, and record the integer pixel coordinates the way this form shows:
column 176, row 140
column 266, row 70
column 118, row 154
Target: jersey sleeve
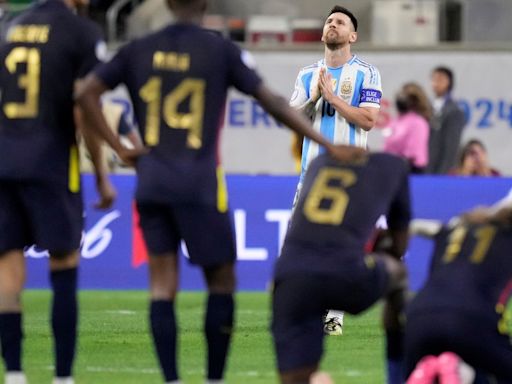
column 300, row 93
column 114, row 72
column 93, row 49
column 241, row 73
column 399, row 214
column 371, row 91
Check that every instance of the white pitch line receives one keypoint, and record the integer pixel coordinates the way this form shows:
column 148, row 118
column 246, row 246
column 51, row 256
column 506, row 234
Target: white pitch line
column 122, row 312
column 123, row 370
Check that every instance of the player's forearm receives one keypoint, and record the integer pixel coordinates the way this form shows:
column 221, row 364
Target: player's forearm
column 355, row 115
column 94, row 146
column 308, row 108
column 88, row 97
column 279, row 109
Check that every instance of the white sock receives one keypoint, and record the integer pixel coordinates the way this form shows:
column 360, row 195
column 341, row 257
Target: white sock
column 338, row 314
column 214, row 382
column 173, row 382
column 63, row 380
column 15, row 377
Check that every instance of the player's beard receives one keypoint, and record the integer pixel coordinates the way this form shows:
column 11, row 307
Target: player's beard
column 332, row 40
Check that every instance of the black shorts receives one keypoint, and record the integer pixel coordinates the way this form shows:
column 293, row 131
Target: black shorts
column 208, row 233
column 299, row 303
column 40, row 213
column 474, row 338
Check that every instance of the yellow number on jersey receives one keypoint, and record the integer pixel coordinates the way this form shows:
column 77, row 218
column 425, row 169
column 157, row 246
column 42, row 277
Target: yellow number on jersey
column 192, row 89
column 29, row 81
column 484, row 237
column 323, row 190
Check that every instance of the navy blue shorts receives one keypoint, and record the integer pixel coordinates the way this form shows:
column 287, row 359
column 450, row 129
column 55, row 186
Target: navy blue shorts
column 299, row 304
column 208, row 233
column 474, row 338
column 40, row 213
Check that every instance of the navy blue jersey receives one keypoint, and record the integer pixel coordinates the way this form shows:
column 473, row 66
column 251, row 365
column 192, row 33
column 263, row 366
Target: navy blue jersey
column 43, row 52
column 471, row 273
column 337, row 210
column 177, row 79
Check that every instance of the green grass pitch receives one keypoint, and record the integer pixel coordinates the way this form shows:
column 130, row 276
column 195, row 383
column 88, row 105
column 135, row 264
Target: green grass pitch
column 115, row 347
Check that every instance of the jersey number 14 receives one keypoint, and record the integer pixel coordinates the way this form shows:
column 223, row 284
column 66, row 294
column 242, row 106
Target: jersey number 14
column 188, row 89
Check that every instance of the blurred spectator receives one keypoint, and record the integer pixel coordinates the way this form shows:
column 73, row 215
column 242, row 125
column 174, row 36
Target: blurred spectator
column 473, row 161
column 149, row 16
column 446, row 124
column 408, row 133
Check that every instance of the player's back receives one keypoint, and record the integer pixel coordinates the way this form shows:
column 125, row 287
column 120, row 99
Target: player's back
column 42, row 54
column 339, row 206
column 471, row 272
column 178, row 79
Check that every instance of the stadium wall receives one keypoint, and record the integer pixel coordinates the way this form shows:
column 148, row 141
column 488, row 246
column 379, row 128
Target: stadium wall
column 113, row 254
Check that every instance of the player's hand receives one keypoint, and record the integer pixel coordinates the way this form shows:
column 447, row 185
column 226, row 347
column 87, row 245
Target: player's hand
column 347, row 154
column 107, row 193
column 315, row 88
column 129, row 156
column 326, row 85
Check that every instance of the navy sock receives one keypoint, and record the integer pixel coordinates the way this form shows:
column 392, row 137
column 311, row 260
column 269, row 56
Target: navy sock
column 10, row 340
column 395, row 356
column 64, row 318
column 163, row 329
column 218, row 328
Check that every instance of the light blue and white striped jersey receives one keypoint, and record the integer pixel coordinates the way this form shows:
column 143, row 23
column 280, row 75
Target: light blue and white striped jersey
column 356, row 82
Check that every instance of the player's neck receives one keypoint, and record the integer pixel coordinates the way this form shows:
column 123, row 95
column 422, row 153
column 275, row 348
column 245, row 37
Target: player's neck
column 337, row 57
column 184, row 16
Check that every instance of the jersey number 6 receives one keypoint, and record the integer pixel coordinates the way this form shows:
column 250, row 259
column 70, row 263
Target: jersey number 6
column 327, row 200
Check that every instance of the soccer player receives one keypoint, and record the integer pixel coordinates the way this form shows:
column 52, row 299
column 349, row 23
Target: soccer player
column 341, row 94
column 44, row 51
column 466, row 305
column 178, row 78
column 323, row 263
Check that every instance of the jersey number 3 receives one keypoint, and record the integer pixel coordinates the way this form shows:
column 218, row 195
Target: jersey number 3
column 327, row 200
column 188, row 89
column 29, row 82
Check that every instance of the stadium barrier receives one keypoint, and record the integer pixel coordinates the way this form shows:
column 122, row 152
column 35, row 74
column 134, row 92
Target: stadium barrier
column 113, row 254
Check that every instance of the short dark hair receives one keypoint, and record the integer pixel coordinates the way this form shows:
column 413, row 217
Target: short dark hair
column 448, row 73
column 345, row 11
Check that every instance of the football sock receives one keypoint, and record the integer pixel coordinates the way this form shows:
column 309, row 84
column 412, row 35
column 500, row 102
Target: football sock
column 10, row 340
column 218, row 328
column 395, row 357
column 163, row 329
column 64, row 318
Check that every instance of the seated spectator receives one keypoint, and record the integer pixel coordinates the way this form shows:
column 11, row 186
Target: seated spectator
column 408, row 133
column 473, row 161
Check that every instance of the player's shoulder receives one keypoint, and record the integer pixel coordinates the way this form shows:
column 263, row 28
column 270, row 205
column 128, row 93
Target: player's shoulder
column 310, row 68
column 382, row 159
column 364, row 66
column 85, row 24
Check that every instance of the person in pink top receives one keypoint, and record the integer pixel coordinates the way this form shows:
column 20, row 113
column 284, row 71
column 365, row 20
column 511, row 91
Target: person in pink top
column 408, row 133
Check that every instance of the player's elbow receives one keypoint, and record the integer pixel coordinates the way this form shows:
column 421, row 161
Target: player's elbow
column 368, row 122
column 88, row 91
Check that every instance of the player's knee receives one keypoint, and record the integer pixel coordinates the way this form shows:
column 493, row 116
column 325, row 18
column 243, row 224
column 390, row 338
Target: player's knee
column 221, row 279
column 10, row 300
column 397, row 274
column 163, row 289
column 60, row 260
